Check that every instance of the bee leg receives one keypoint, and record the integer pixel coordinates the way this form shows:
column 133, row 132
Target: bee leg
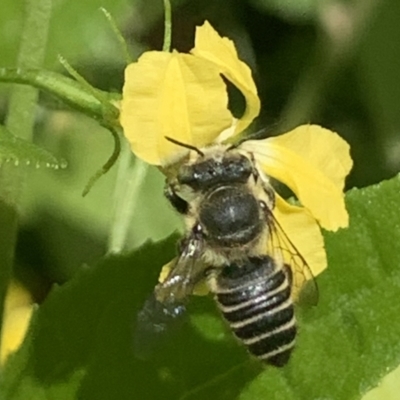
column 211, row 276
column 177, row 202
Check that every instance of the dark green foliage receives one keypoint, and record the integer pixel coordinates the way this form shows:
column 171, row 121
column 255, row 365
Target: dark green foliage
column 81, row 341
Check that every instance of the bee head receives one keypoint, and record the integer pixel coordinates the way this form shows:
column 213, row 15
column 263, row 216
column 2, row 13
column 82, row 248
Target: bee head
column 214, row 169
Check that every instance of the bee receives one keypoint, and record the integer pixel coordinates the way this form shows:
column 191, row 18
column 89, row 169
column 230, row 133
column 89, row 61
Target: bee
column 235, row 245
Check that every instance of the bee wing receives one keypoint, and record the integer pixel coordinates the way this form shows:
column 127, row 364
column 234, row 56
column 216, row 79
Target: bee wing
column 304, row 286
column 185, row 273
column 163, row 310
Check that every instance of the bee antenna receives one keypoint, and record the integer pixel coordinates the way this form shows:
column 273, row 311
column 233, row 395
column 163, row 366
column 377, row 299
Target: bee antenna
column 187, row 146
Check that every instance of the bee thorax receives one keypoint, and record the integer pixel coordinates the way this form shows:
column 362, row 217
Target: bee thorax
column 231, row 216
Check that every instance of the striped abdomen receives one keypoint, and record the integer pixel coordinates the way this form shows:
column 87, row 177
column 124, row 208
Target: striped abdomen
column 255, row 300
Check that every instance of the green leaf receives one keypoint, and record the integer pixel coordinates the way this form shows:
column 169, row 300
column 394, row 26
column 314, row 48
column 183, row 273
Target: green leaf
column 22, row 152
column 388, row 389
column 80, row 343
column 350, row 341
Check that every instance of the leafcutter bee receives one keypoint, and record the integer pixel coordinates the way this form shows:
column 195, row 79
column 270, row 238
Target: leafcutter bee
column 233, row 243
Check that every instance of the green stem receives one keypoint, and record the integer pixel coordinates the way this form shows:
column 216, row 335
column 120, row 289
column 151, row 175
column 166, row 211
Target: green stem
column 167, row 26
column 118, row 35
column 20, row 121
column 108, row 164
column 71, row 92
column 131, row 175
column 78, row 94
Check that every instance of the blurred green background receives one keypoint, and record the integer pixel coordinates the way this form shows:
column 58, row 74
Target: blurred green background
column 335, row 63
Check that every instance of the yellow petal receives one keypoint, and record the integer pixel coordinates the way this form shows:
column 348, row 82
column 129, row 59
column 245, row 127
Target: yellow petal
column 319, row 146
column 15, row 325
column 17, row 295
column 221, row 51
column 305, row 235
column 228, row 133
column 18, row 309
column 175, row 95
column 323, row 198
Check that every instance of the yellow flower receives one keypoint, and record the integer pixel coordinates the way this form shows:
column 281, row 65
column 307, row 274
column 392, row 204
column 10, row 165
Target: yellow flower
column 18, row 311
column 313, row 162
column 183, row 96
